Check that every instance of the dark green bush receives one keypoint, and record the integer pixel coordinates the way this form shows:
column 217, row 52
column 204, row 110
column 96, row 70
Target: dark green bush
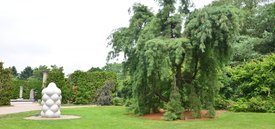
column 104, row 93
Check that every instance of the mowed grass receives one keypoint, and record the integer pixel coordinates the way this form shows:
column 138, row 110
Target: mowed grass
column 116, row 118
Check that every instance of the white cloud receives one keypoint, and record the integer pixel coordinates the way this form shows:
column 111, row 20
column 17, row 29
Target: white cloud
column 68, row 33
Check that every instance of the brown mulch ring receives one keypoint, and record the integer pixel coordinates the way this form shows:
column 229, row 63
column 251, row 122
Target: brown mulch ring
column 187, row 115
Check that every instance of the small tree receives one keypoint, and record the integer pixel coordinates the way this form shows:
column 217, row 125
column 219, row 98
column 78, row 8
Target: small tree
column 174, row 108
column 104, row 94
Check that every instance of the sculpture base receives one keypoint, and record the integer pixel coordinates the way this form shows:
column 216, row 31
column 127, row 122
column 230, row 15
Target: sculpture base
column 22, row 100
column 62, row 117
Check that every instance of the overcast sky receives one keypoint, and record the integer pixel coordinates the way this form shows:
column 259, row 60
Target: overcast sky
column 68, row 33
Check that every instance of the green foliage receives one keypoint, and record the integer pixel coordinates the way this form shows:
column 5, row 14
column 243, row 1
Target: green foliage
column 38, row 72
column 160, row 54
column 95, row 69
column 124, row 39
column 174, row 108
column 222, row 103
column 35, row 84
column 195, row 101
column 261, row 24
column 5, row 85
column 244, row 49
column 254, row 104
column 114, row 67
column 211, row 31
column 252, row 85
column 30, row 83
column 26, row 73
column 16, row 83
column 14, row 71
column 126, row 90
column 56, row 75
column 104, row 93
column 118, row 101
column 153, row 71
column 255, row 78
column 85, row 84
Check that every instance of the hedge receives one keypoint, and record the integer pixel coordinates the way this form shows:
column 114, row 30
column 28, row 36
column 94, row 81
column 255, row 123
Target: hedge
column 85, row 84
column 30, row 83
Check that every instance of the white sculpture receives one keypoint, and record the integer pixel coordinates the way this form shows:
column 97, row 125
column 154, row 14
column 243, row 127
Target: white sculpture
column 51, row 101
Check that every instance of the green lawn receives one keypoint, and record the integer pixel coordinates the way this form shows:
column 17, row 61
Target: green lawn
column 115, row 118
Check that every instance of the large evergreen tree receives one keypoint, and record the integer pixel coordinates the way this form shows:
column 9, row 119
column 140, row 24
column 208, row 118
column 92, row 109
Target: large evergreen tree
column 168, row 66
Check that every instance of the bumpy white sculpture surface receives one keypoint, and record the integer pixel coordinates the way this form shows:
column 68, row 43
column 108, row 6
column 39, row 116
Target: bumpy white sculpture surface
column 51, row 101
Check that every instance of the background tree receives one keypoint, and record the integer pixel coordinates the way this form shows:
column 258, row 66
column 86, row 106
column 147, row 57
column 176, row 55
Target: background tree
column 26, row 73
column 38, row 72
column 114, row 67
column 95, row 69
column 257, row 34
column 14, row 71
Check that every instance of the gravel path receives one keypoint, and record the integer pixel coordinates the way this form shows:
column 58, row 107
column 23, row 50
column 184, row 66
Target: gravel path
column 17, row 107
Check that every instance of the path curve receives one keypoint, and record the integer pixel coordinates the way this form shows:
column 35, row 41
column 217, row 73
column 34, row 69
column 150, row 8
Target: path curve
column 17, row 107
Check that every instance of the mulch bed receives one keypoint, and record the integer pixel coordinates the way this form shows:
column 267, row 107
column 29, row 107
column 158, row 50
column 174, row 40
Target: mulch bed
column 187, row 115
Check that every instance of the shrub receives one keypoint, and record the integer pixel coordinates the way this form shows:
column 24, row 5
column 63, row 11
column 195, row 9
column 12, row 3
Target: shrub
column 239, row 106
column 255, row 104
column 118, row 101
column 251, row 85
column 104, row 93
column 221, row 103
